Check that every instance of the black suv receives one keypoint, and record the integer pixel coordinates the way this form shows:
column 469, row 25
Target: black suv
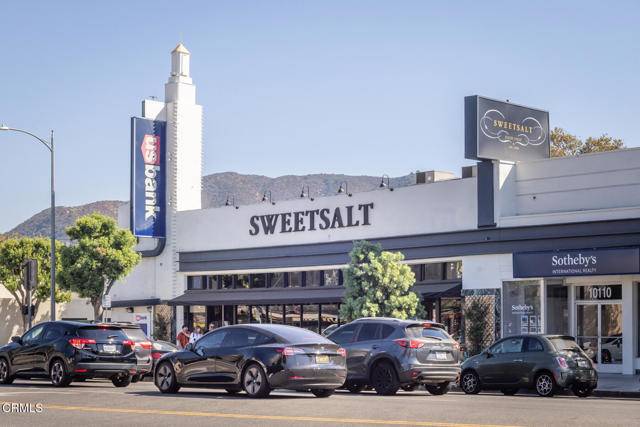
column 391, row 353
column 65, row 350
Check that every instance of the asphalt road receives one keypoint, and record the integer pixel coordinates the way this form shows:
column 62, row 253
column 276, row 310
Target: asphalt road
column 98, row 403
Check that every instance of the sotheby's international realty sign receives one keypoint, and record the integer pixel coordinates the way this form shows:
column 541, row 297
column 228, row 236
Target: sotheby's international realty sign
column 504, row 131
column 587, row 262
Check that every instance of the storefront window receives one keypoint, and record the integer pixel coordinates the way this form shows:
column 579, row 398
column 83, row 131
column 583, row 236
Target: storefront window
column 329, row 315
column 275, row 314
column 453, row 270
column 295, row 279
column 433, row 271
column 310, row 317
column 292, row 315
column 259, row 314
column 229, row 315
column 243, row 314
column 242, row 281
column 276, row 280
column 451, row 315
column 226, row 281
column 195, row 282
column 417, row 271
column 258, row 280
column 557, row 309
column 212, row 282
column 198, row 316
column 313, row 278
column 521, row 309
column 331, row 277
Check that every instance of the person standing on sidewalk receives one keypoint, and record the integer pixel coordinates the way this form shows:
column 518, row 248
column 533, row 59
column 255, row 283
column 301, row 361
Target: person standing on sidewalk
column 183, row 337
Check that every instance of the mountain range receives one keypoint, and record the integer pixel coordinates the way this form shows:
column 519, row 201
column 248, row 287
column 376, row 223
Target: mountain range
column 217, row 188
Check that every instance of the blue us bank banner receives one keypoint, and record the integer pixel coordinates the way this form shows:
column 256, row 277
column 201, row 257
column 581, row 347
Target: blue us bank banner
column 587, row 262
column 148, row 182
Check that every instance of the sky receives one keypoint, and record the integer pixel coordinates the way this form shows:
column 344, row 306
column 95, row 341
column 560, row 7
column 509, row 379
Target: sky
column 298, row 87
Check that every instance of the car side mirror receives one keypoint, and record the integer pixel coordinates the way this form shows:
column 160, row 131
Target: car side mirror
column 189, row 347
column 489, row 354
column 16, row 339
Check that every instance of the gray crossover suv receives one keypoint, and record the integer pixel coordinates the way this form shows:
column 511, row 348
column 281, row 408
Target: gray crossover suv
column 388, row 354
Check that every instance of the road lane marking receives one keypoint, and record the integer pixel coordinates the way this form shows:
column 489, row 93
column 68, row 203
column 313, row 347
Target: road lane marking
column 263, row 417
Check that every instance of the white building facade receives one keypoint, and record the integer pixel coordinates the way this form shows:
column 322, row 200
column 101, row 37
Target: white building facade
column 484, row 237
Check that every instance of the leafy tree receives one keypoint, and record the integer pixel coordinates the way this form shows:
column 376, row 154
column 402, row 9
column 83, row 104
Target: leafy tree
column 565, row 144
column 376, row 284
column 13, row 253
column 102, row 254
column 161, row 327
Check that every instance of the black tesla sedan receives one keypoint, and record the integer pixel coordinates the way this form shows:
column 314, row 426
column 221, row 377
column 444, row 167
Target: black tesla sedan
column 545, row 363
column 255, row 358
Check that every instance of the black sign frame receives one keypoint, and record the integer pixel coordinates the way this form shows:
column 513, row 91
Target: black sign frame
column 498, row 130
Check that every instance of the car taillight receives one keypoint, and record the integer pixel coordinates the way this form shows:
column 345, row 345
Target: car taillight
column 427, row 325
column 129, row 343
column 562, row 362
column 456, row 345
column 342, row 352
column 290, row 351
column 145, row 344
column 79, row 343
column 156, row 355
column 410, row 343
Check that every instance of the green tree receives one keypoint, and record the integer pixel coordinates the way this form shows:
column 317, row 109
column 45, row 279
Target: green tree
column 13, row 253
column 476, row 319
column 565, row 144
column 101, row 254
column 376, row 285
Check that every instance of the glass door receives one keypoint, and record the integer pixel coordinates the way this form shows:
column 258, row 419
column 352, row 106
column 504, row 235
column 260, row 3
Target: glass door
column 599, row 331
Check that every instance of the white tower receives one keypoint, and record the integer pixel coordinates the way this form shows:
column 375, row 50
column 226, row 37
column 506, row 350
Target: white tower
column 157, row 277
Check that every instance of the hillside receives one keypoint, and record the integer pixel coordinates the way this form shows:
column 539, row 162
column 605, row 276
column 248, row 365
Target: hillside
column 247, row 189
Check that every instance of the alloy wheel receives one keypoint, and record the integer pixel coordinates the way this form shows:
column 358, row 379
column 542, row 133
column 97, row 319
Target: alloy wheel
column 57, row 373
column 4, row 371
column 544, row 385
column 252, row 380
column 165, row 377
column 469, row 383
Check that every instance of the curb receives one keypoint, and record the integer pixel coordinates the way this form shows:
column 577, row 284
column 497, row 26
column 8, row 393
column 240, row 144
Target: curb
column 617, row 393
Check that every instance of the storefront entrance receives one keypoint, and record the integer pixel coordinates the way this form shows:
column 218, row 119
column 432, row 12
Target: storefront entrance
column 599, row 324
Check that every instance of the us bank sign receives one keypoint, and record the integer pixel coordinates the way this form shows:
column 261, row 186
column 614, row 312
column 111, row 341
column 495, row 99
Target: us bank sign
column 504, row 131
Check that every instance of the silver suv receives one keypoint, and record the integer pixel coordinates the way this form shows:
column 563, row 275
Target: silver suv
column 143, row 348
column 388, row 354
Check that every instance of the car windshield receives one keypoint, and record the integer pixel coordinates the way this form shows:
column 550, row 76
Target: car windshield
column 102, row 333
column 135, row 334
column 564, row 344
column 298, row 335
column 427, row 332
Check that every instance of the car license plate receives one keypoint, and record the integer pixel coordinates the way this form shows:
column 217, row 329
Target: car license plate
column 322, row 359
column 440, row 355
column 109, row 348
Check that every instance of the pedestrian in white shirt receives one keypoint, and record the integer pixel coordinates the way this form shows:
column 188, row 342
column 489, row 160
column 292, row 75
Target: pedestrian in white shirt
column 195, row 335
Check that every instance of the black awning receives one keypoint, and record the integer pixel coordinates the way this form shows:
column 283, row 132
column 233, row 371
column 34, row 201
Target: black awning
column 298, row 295
column 260, row 296
column 135, row 302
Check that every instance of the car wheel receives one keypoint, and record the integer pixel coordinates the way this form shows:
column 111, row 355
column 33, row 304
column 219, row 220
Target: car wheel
column 135, row 378
column 438, row 389
column 545, row 384
column 355, row 387
column 582, row 390
column 509, row 391
column 322, row 392
column 254, row 381
column 121, row 380
column 58, row 374
column 384, row 379
column 470, row 383
column 165, row 379
column 5, row 372
column 410, row 387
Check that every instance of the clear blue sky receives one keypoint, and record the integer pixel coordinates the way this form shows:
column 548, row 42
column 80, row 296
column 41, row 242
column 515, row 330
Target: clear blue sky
column 297, row 87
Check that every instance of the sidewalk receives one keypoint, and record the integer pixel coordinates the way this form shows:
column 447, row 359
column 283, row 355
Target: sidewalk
column 617, row 385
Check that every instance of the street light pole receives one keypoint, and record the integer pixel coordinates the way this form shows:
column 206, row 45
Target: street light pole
column 49, row 146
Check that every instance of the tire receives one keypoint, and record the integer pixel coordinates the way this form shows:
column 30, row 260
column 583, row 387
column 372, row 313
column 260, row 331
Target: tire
column 354, row 387
column 509, row 391
column 254, row 381
column 135, row 378
column 323, row 392
column 545, row 384
column 58, row 373
column 384, row 379
column 5, row 372
column 410, row 387
column 470, row 382
column 582, row 390
column 121, row 381
column 165, row 378
column 438, row 389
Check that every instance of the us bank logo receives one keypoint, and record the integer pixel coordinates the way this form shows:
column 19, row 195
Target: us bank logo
column 527, row 132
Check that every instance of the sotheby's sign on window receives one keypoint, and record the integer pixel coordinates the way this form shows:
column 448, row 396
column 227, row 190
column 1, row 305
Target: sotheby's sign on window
column 588, row 262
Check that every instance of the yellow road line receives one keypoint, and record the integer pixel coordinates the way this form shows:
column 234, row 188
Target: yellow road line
column 263, row 417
